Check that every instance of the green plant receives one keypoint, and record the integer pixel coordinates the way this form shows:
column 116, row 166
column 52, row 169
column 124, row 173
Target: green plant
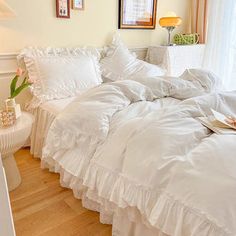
column 14, row 90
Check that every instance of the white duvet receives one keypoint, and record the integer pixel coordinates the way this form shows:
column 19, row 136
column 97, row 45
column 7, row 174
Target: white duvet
column 137, row 144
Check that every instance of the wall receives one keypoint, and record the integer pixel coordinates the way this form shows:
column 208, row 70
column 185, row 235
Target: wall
column 36, row 24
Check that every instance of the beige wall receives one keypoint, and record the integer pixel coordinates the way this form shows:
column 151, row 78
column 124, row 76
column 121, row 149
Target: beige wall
column 36, row 24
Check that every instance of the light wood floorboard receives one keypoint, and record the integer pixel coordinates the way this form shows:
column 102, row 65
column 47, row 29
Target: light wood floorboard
column 41, row 207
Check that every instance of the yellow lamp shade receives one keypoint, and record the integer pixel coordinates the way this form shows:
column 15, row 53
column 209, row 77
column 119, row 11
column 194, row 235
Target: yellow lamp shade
column 170, row 21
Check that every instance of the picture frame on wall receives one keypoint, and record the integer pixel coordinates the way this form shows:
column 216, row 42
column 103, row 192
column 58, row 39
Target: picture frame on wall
column 78, row 4
column 137, row 14
column 63, row 8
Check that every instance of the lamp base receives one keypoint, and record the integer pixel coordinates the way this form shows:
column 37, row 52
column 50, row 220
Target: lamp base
column 170, row 30
column 169, row 45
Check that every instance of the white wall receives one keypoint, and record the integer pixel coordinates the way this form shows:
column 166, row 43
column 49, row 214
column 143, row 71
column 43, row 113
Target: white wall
column 36, row 24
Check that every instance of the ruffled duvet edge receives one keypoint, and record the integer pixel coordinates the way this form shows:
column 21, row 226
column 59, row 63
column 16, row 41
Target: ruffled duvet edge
column 103, row 191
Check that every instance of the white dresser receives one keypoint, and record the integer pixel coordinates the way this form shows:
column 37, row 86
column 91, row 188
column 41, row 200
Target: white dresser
column 6, row 221
column 176, row 59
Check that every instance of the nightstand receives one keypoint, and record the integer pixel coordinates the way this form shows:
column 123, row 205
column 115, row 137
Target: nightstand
column 11, row 140
column 176, row 59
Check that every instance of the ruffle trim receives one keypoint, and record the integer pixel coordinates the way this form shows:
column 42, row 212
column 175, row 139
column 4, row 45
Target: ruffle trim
column 108, row 190
column 159, row 208
column 69, row 180
column 57, row 51
column 33, row 104
column 67, row 140
column 27, row 59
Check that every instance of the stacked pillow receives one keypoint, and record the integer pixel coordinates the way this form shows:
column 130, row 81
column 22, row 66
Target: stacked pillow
column 59, row 73
column 120, row 64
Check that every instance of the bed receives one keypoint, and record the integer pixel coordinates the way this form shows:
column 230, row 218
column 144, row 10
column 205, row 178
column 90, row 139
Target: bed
column 133, row 150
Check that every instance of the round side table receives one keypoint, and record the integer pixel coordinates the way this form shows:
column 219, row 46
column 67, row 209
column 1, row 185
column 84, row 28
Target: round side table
column 11, row 140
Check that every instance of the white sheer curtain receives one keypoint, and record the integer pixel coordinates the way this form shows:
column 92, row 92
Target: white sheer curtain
column 220, row 55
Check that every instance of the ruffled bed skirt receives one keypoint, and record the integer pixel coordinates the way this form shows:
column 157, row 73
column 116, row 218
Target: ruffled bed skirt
column 43, row 120
column 156, row 213
column 125, row 222
column 126, row 225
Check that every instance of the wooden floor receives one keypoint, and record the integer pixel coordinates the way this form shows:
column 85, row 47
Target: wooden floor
column 41, row 207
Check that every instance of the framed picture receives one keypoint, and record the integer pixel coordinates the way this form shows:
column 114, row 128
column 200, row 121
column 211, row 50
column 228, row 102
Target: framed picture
column 137, row 14
column 63, row 8
column 78, row 4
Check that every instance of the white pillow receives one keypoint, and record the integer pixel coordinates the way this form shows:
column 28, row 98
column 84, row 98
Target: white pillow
column 59, row 73
column 119, row 63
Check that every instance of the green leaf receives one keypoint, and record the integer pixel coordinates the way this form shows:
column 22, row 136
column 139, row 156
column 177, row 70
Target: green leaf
column 24, row 81
column 13, row 84
column 19, row 89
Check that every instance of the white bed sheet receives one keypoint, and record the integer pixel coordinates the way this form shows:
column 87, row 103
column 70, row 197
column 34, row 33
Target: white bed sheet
column 44, row 115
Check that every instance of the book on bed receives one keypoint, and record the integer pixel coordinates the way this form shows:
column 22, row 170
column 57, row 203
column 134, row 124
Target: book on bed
column 219, row 123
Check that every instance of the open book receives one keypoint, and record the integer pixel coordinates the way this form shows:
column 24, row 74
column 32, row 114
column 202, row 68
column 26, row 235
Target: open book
column 218, row 123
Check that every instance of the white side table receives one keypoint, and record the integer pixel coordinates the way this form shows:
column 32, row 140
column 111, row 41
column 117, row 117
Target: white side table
column 176, row 59
column 11, row 140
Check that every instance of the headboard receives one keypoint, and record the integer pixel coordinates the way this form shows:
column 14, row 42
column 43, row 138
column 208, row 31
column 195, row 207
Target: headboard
column 8, row 65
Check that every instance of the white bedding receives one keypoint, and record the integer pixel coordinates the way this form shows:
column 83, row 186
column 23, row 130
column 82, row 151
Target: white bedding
column 44, row 115
column 118, row 146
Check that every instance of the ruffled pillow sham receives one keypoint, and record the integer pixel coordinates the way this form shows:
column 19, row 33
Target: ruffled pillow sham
column 120, row 64
column 61, row 73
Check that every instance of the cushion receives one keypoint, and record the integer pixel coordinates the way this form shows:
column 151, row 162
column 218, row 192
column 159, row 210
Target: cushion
column 119, row 63
column 61, row 73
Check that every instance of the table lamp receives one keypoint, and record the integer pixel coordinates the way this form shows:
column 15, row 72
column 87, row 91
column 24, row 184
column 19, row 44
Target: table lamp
column 5, row 11
column 170, row 21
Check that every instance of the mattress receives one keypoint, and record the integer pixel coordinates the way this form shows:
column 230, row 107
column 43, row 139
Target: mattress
column 44, row 115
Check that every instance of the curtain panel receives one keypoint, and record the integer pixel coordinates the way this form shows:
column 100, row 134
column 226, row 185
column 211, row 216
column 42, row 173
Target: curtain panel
column 198, row 18
column 220, row 51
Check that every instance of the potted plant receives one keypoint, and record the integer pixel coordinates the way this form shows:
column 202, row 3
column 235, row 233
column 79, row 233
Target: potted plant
column 13, row 109
column 14, row 90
